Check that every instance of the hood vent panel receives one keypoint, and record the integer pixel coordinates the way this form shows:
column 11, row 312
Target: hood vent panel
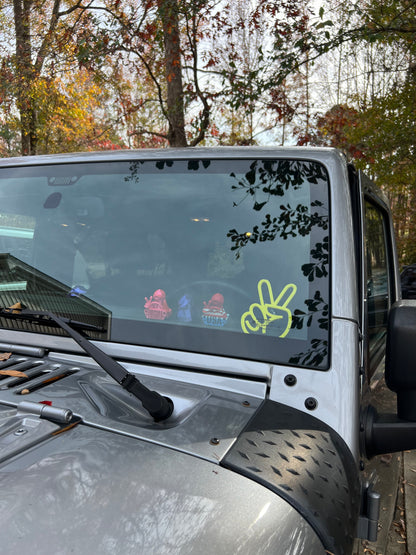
column 38, row 374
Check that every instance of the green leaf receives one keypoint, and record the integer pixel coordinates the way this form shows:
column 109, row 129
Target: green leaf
column 323, row 24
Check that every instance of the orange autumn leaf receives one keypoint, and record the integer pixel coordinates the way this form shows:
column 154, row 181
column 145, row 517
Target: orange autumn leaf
column 14, row 373
column 15, row 308
column 5, row 356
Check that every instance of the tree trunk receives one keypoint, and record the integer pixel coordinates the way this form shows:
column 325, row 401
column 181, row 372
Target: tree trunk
column 25, row 76
column 168, row 10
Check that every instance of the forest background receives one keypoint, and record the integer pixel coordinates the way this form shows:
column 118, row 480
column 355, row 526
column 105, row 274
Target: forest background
column 80, row 75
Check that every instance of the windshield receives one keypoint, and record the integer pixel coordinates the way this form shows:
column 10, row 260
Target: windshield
column 226, row 257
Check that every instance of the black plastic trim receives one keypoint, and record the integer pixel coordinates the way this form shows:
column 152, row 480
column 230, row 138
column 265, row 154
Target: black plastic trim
column 308, row 464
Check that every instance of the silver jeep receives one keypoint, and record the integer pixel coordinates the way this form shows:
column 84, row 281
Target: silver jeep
column 186, row 343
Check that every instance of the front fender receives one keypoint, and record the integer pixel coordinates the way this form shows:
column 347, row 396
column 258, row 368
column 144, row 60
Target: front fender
column 308, row 464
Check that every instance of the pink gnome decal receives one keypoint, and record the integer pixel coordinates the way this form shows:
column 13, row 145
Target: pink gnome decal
column 156, row 307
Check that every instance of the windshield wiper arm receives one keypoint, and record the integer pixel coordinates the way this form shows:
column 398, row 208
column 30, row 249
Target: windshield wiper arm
column 158, row 406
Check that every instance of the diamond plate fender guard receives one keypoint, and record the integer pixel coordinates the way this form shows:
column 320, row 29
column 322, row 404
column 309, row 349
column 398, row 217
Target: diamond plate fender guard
column 308, row 464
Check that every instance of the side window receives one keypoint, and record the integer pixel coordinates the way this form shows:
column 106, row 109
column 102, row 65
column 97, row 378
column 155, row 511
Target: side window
column 378, row 282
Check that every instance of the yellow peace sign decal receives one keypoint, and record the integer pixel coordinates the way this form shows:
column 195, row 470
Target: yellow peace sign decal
column 269, row 309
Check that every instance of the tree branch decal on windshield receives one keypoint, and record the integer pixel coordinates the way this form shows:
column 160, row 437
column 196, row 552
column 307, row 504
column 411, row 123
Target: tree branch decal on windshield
column 263, row 181
column 321, row 254
column 316, row 306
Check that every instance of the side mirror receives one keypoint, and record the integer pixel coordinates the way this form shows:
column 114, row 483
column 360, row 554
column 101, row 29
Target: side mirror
column 401, row 357
column 387, row 433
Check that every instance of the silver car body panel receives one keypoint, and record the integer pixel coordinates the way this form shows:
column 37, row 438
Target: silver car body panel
column 337, row 391
column 202, row 412
column 90, row 491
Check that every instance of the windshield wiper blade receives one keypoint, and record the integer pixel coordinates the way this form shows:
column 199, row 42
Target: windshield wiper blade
column 43, row 319
column 158, row 406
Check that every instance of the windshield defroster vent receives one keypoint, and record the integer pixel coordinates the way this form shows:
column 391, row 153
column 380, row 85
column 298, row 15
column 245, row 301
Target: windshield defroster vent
column 27, row 374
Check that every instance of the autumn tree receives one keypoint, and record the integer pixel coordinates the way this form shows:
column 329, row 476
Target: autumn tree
column 50, row 97
column 176, row 72
column 335, row 128
column 169, row 16
column 237, row 37
column 154, row 39
column 70, row 114
column 29, row 61
column 202, row 65
column 386, row 129
column 43, row 38
column 375, row 123
column 259, row 97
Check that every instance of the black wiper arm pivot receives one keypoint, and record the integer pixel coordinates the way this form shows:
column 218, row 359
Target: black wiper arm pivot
column 158, row 406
